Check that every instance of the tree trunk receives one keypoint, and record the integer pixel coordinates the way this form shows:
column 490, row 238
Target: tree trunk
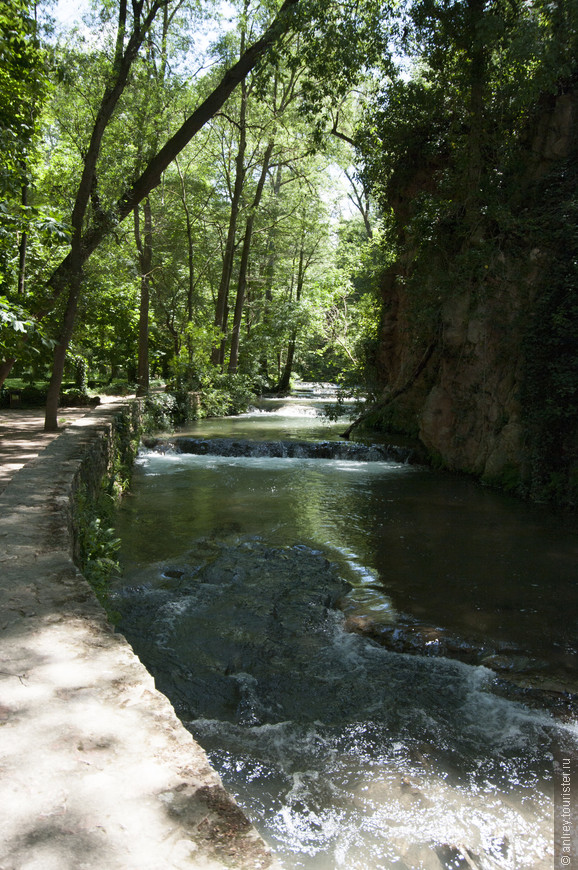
column 145, row 252
column 221, row 309
column 5, row 369
column 53, row 396
column 360, row 199
column 191, row 284
column 22, row 248
column 269, row 271
column 242, row 282
column 285, row 379
column 69, row 274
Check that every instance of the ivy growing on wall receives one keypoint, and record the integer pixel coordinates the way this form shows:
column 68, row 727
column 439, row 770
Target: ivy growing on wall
column 550, row 398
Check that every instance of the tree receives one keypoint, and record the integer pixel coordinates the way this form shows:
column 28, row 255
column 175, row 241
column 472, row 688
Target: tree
column 144, row 245
column 130, row 35
column 94, row 216
column 23, row 89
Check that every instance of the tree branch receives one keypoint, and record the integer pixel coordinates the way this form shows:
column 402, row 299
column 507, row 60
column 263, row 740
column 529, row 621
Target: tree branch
column 387, row 400
column 152, row 174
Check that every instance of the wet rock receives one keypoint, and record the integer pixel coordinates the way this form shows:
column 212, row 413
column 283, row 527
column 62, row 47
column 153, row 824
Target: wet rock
column 349, row 451
column 515, row 663
column 173, row 573
column 421, row 856
column 415, row 638
column 242, row 669
column 458, row 858
column 411, row 794
column 517, row 676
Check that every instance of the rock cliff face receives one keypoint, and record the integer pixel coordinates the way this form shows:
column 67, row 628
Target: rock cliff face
column 468, row 403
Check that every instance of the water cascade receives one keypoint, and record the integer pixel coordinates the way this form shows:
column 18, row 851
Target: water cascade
column 285, row 449
column 354, row 640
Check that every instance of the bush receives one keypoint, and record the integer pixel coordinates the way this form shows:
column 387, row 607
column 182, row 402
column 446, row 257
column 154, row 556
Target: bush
column 162, row 412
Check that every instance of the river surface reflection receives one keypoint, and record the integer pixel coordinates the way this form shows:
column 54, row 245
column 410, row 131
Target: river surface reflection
column 345, row 753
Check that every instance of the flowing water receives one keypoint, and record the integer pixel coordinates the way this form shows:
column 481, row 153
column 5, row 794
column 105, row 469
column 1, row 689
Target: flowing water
column 402, row 746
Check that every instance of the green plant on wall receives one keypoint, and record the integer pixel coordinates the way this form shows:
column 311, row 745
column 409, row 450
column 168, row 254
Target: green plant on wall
column 550, row 396
column 96, row 542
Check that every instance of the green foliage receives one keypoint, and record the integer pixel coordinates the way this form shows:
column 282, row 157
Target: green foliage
column 23, row 89
column 76, row 397
column 225, row 394
column 162, row 412
column 20, row 335
column 96, row 542
column 550, row 398
column 442, row 149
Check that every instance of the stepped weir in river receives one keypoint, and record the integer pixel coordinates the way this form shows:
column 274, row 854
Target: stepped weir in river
column 373, row 655
column 284, row 449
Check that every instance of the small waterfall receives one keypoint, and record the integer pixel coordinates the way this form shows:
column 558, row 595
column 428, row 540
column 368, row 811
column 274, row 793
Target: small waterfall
column 341, row 450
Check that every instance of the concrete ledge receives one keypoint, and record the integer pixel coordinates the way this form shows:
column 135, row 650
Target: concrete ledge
column 96, row 769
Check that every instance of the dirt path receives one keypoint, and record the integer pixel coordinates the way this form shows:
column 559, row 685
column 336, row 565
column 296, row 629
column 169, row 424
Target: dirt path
column 96, row 771
column 22, row 437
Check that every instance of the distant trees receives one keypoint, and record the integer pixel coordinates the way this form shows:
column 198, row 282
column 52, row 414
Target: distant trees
column 209, row 223
column 23, row 89
column 115, row 143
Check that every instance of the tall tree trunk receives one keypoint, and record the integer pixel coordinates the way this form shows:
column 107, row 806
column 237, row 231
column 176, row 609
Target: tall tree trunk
column 145, row 252
column 190, row 286
column 69, row 274
column 5, row 369
column 360, row 199
column 285, row 379
column 242, row 282
column 190, row 259
column 271, row 261
column 53, row 395
column 221, row 308
column 22, row 247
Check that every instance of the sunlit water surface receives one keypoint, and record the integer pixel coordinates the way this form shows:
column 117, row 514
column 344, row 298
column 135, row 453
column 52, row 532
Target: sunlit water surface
column 343, row 753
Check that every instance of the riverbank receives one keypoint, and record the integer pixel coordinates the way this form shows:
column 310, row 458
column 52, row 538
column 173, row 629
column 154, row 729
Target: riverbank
column 97, row 771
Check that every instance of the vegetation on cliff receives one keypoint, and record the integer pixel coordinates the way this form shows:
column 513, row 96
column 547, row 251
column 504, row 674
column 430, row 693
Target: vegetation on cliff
column 472, row 159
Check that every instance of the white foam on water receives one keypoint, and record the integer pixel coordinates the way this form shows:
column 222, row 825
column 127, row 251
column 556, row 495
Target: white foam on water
column 339, row 808
column 287, row 409
column 169, row 462
column 360, row 796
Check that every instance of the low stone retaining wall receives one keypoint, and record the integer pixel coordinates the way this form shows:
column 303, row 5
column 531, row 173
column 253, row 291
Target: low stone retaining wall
column 97, row 771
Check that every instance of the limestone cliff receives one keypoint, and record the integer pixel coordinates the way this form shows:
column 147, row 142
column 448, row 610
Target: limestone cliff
column 461, row 369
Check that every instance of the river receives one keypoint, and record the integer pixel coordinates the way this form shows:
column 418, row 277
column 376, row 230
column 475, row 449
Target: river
column 422, row 739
